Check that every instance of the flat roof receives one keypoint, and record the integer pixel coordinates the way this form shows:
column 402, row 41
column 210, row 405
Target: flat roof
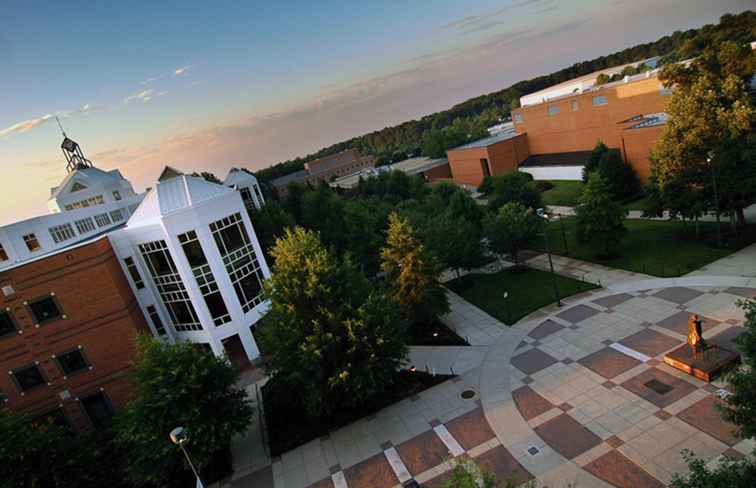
column 286, row 179
column 574, row 158
column 488, row 141
column 418, row 165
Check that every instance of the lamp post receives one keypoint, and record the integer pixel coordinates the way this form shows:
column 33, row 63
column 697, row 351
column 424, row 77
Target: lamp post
column 710, row 160
column 180, row 436
column 506, row 306
column 542, row 213
column 564, row 235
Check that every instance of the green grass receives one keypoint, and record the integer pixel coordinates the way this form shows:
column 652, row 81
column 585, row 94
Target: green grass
column 529, row 290
column 638, row 204
column 658, row 248
column 565, row 193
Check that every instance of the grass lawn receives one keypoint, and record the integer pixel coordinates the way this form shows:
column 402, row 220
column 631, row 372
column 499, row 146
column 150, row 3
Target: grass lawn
column 659, row 248
column 529, row 290
column 565, row 192
column 636, row 204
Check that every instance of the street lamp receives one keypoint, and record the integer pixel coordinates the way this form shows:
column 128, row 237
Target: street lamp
column 180, row 436
column 542, row 213
column 710, row 160
column 506, row 307
column 564, row 235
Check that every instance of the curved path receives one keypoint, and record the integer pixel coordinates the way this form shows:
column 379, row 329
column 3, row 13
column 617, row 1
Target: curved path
column 582, row 396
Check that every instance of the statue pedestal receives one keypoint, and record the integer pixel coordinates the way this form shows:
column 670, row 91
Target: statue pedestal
column 703, row 365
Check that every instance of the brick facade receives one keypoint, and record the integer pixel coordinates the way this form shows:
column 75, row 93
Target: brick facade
column 100, row 317
column 469, row 165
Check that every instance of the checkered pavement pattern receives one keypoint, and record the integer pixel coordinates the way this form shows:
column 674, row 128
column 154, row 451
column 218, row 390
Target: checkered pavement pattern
column 592, row 384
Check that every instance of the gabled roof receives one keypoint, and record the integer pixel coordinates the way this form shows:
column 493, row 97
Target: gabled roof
column 236, row 176
column 175, row 194
column 88, row 177
column 169, row 173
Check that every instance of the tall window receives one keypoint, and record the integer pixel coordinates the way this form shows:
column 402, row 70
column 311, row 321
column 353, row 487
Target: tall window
column 240, row 260
column 116, row 216
column 60, row 233
column 72, row 362
column 117, row 195
column 600, row 100
column 3, row 254
column 7, row 324
column 574, row 105
column 258, row 193
column 28, row 377
column 205, row 279
column 32, row 244
column 553, row 110
column 44, row 310
column 85, row 225
column 171, row 288
column 155, row 317
column 98, row 409
column 102, row 220
column 247, row 197
column 134, row 272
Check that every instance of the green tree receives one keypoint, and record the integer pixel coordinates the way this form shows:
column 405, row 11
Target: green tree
column 178, row 385
column 600, row 220
column 514, row 186
column 592, row 164
column 412, row 273
column 269, row 223
column 331, row 337
column 709, row 134
column 741, row 405
column 728, row 473
column 511, row 229
column 621, row 177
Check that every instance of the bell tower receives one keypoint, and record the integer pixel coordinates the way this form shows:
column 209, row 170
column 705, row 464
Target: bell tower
column 72, row 151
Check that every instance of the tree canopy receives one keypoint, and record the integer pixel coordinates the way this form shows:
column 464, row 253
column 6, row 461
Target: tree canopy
column 599, row 218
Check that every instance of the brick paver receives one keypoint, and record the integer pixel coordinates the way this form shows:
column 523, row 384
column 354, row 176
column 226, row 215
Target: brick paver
column 471, row 429
column 374, row 472
column 529, row 403
column 533, row 361
column 650, row 342
column 679, row 323
column 640, row 385
column 608, row 362
column 503, row 465
column 704, row 416
column 545, row 329
column 577, row 313
column 422, row 452
column 567, row 436
column 678, row 295
column 618, row 470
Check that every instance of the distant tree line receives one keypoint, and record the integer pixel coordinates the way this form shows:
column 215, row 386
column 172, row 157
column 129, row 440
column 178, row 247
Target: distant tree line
column 410, row 139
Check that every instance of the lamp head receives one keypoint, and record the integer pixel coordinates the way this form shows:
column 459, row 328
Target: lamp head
column 179, row 436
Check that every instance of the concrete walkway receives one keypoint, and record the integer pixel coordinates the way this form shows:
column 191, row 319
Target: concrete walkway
column 739, row 263
column 750, row 214
column 584, row 271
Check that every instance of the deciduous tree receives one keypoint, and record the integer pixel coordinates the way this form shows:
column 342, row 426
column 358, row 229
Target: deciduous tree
column 599, row 218
column 510, row 230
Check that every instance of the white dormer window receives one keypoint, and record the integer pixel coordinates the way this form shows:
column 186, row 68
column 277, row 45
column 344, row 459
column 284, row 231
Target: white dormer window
column 31, row 242
column 117, row 195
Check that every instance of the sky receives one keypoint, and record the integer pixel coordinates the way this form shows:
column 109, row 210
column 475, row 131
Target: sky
column 212, row 85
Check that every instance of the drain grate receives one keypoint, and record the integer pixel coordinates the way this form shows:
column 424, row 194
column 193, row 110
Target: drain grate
column 467, row 394
column 658, row 387
column 533, row 450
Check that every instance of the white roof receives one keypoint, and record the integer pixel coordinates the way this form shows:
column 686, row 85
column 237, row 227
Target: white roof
column 88, row 177
column 174, row 194
column 238, row 176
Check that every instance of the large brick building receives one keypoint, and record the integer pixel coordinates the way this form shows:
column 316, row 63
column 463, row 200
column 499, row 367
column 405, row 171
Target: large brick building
column 557, row 128
column 324, row 169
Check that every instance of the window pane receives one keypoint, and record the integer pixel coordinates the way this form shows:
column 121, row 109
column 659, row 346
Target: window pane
column 29, row 377
column 232, row 238
column 194, row 253
column 160, row 264
column 6, row 324
column 183, row 312
column 216, row 305
column 156, row 320
column 44, row 310
column 98, row 410
column 3, row 254
column 72, row 362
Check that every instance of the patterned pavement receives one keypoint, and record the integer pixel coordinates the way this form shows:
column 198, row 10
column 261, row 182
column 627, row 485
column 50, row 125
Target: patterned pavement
column 578, row 396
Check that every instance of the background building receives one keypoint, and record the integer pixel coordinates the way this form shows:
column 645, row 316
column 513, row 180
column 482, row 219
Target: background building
column 430, row 169
column 324, row 169
column 486, row 157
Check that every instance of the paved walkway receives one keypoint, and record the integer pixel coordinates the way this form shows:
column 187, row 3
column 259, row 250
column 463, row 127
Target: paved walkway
column 740, row 263
column 584, row 270
column 750, row 214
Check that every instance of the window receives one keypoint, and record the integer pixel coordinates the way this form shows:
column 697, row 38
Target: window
column 85, row 225
column 102, row 220
column 116, row 216
column 117, row 195
column 205, row 279
column 32, row 243
column 3, row 254
column 7, row 324
column 247, row 197
column 170, row 286
column 155, row 317
column 518, row 119
column 72, row 362
column 574, row 105
column 553, row 110
column 240, row 260
column 44, row 310
column 258, row 193
column 600, row 100
column 60, row 233
column 28, row 377
column 134, row 272
column 98, row 409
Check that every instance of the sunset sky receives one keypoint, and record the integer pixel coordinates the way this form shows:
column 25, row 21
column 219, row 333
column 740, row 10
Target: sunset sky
column 210, row 85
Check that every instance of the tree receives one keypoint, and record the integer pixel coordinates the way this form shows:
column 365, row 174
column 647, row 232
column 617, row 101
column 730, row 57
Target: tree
column 331, row 337
column 269, row 223
column 592, row 164
column 511, row 229
column 599, row 218
column 514, row 186
column 178, row 385
column 709, row 134
column 740, row 408
column 412, row 273
column 621, row 177
column 728, row 473
column 207, row 176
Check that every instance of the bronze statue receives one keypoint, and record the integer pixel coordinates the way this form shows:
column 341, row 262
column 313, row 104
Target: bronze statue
column 695, row 334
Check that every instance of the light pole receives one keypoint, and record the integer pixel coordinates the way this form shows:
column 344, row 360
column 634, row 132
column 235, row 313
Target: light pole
column 180, row 436
column 564, row 235
column 542, row 213
column 506, row 306
column 710, row 160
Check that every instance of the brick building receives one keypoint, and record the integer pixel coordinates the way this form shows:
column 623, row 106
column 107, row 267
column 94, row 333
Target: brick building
column 556, row 129
column 344, row 163
column 68, row 321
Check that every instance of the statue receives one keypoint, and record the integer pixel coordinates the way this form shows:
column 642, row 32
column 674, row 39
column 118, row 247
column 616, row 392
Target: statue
column 695, row 334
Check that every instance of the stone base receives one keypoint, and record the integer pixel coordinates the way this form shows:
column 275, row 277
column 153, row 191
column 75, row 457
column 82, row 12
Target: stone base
column 703, row 365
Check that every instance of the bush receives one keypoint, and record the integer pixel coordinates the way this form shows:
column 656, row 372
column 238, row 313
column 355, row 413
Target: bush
column 515, row 187
column 543, row 185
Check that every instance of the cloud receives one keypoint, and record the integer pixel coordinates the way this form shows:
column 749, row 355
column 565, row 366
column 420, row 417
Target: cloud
column 478, row 23
column 181, row 71
column 152, row 80
column 142, row 95
column 25, row 125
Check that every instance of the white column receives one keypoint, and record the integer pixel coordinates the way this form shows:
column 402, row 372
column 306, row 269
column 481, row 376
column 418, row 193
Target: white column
column 248, row 341
column 217, row 347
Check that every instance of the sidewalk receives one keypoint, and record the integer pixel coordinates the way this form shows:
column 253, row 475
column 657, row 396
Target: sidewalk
column 739, row 263
column 584, row 270
column 750, row 214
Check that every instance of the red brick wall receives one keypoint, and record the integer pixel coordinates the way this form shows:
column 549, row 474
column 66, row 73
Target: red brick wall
column 437, row 173
column 636, row 146
column 502, row 157
column 102, row 316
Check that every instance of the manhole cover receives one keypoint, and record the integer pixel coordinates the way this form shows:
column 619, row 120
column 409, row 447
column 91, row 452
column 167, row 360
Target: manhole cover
column 467, row 394
column 533, row 450
column 658, row 387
